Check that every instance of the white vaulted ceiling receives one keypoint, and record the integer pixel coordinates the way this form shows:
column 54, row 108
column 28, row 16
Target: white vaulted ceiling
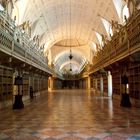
column 56, row 20
column 74, row 21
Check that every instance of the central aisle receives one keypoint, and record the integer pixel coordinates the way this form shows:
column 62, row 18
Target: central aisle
column 70, row 115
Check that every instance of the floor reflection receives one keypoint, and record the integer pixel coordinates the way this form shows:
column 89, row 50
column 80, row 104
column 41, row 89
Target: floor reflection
column 71, row 115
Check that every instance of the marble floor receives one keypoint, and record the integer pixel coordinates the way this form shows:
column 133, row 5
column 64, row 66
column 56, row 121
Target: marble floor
column 70, row 115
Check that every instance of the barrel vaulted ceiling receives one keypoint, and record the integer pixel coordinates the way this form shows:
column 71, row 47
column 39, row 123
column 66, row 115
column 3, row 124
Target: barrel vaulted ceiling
column 65, row 24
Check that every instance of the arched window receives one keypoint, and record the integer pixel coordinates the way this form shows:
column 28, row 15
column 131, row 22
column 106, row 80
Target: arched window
column 93, row 46
column 1, row 8
column 110, row 31
column 125, row 13
column 100, row 39
column 108, row 27
column 118, row 6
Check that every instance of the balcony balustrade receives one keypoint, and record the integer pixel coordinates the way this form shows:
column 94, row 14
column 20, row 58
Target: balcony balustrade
column 122, row 44
column 15, row 42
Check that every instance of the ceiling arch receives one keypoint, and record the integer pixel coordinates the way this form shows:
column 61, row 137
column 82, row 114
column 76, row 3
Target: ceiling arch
column 65, row 67
column 68, row 63
column 70, row 68
column 62, row 60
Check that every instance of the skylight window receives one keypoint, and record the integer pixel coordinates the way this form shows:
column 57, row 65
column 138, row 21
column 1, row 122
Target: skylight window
column 93, row 46
column 125, row 13
column 1, row 8
column 118, row 6
column 99, row 39
column 107, row 26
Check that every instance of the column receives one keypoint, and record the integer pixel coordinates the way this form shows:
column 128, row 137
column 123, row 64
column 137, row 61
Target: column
column 50, row 84
column 88, row 83
column 109, row 84
column 101, row 85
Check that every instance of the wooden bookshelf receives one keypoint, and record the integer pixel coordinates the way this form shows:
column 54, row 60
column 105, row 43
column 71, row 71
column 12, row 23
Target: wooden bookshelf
column 134, row 80
column 94, row 83
column 44, row 83
column 6, row 85
column 36, row 86
column 105, row 83
column 98, row 84
column 38, row 82
column 116, row 82
column 25, row 87
column 91, row 82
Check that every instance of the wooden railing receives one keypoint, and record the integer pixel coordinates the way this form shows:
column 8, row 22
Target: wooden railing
column 13, row 41
column 122, row 44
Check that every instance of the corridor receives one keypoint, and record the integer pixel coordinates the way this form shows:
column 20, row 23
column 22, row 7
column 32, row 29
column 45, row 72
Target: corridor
column 70, row 115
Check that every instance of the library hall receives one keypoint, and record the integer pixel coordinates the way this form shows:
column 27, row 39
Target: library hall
column 69, row 69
